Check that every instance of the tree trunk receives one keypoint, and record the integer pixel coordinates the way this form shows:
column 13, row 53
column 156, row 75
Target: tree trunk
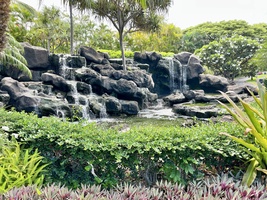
column 122, row 51
column 71, row 29
column 4, row 16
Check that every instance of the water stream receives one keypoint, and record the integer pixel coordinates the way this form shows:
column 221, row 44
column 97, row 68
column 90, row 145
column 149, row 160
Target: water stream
column 178, row 75
column 82, row 101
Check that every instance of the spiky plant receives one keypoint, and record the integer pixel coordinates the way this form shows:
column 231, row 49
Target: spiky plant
column 254, row 121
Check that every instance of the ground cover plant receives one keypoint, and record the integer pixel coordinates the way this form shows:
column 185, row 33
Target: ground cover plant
column 218, row 187
column 89, row 153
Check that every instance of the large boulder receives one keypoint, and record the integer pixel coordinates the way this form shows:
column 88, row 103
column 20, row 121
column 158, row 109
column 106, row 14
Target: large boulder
column 57, row 81
column 194, row 68
column 37, row 57
column 140, row 77
column 211, row 83
column 150, row 58
column 243, row 88
column 89, row 76
column 175, row 98
column 125, row 89
column 129, row 107
column 75, row 61
column 196, row 111
column 20, row 97
column 183, row 57
column 113, row 105
column 92, row 56
column 161, row 78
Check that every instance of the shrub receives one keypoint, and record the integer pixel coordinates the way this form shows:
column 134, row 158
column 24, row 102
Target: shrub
column 88, row 153
column 18, row 168
column 130, row 54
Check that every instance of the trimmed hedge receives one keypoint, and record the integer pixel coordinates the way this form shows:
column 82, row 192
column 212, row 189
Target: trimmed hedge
column 88, row 153
column 130, row 54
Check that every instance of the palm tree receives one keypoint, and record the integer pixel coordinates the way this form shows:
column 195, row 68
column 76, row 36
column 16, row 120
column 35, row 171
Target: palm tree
column 80, row 4
column 4, row 16
column 10, row 49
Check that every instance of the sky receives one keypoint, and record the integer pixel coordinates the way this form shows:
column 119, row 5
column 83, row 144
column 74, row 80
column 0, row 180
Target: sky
column 187, row 13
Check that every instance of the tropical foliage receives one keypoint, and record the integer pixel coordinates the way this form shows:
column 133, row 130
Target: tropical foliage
column 20, row 168
column 254, row 121
column 89, row 153
column 129, row 16
column 4, row 17
column 260, row 58
column 229, row 57
column 11, row 57
column 196, row 37
column 220, row 187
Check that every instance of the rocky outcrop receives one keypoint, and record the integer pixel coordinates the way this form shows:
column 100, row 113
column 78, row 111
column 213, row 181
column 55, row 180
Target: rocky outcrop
column 20, row 97
column 161, row 77
column 196, row 111
column 90, row 86
column 57, row 81
column 243, row 88
column 175, row 98
column 92, row 56
column 37, row 57
column 194, row 68
column 211, row 83
column 150, row 58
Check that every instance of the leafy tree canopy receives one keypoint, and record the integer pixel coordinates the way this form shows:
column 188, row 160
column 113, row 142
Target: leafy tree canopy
column 229, row 56
column 131, row 15
column 202, row 34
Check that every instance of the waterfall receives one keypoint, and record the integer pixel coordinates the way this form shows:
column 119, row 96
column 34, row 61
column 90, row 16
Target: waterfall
column 60, row 113
column 178, row 75
column 65, row 71
column 103, row 112
column 173, row 84
column 183, row 76
column 76, row 96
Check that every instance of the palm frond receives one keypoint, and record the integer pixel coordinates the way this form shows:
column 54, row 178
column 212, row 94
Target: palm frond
column 25, row 6
column 11, row 56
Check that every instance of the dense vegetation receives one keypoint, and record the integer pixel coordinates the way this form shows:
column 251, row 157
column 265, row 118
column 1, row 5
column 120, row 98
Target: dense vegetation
column 86, row 153
column 53, row 151
column 50, row 29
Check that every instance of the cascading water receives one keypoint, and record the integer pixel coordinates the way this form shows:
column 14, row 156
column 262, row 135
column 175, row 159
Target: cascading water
column 173, row 74
column 65, row 71
column 178, row 75
column 76, row 98
column 183, row 79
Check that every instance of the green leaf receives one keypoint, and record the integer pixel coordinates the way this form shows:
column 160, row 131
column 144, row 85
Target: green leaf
column 251, row 173
column 243, row 142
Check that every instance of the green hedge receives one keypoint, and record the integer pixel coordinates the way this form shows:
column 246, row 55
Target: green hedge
column 130, row 54
column 86, row 153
